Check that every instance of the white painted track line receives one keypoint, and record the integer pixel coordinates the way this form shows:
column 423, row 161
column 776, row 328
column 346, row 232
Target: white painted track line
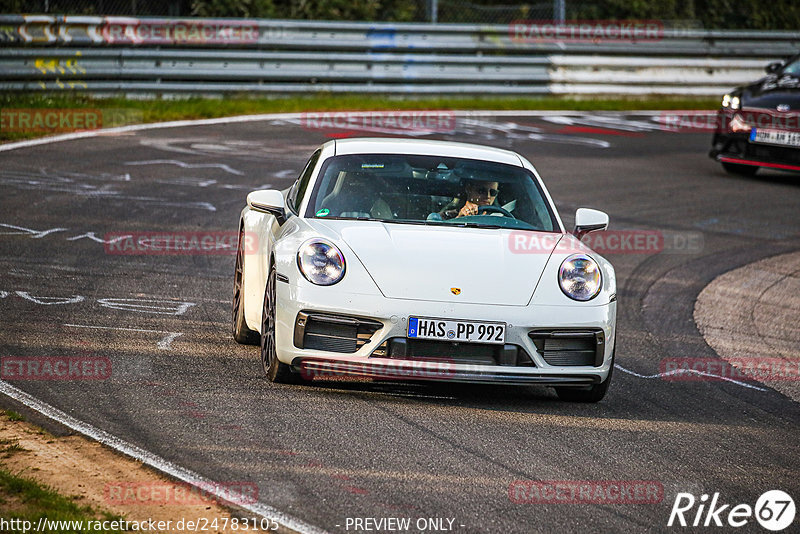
column 156, row 462
column 295, row 116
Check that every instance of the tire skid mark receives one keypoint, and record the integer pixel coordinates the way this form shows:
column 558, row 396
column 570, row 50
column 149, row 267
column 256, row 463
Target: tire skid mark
column 690, row 371
column 184, row 165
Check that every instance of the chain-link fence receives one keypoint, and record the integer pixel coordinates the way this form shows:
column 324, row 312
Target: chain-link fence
column 709, row 14
column 140, row 8
column 466, row 11
column 494, row 13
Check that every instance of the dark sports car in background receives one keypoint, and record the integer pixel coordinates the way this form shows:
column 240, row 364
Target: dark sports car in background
column 759, row 124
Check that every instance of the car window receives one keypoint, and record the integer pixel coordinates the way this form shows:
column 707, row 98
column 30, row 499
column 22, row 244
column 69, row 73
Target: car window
column 299, row 189
column 793, row 68
column 430, row 190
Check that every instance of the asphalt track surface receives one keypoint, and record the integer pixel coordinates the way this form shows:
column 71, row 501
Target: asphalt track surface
column 348, row 449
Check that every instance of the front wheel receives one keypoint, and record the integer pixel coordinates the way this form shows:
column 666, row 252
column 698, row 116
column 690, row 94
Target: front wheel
column 275, row 370
column 241, row 333
column 739, row 169
column 593, row 393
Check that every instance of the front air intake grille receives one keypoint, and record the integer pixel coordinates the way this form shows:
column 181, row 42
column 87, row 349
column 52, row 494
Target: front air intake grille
column 570, row 348
column 333, row 333
column 774, row 153
column 454, row 353
column 479, row 354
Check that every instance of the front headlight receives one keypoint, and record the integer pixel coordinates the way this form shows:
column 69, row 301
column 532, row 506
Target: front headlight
column 732, row 102
column 320, row 262
column 579, row 277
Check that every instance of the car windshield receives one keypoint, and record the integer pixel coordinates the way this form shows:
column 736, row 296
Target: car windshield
column 430, row 190
column 793, row 68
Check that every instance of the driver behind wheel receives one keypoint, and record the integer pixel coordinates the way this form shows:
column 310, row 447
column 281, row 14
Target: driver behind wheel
column 476, row 193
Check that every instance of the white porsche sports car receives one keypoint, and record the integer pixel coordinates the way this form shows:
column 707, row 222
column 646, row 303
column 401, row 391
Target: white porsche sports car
column 424, row 260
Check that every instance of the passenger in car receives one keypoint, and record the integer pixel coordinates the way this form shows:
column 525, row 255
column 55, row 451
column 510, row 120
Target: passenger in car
column 358, row 195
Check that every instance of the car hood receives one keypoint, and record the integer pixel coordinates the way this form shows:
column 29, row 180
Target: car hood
column 772, row 91
column 439, row 263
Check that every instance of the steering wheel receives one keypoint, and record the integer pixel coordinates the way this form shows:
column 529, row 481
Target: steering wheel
column 494, row 209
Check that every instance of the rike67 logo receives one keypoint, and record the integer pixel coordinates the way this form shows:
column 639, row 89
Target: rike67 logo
column 774, row 510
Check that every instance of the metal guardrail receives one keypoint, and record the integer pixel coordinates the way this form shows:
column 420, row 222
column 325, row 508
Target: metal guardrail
column 213, row 56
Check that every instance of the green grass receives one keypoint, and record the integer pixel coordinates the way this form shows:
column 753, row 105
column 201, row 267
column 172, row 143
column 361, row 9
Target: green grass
column 27, row 500
column 11, row 448
column 202, row 108
column 13, row 416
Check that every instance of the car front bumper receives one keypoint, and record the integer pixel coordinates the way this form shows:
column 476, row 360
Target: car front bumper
column 736, row 148
column 391, row 320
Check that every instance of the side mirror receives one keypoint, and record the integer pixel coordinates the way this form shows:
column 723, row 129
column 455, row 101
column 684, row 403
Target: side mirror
column 589, row 220
column 268, row 201
column 773, row 67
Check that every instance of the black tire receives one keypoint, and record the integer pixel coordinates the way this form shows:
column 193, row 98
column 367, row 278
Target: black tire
column 275, row 370
column 241, row 333
column 594, row 393
column 739, row 169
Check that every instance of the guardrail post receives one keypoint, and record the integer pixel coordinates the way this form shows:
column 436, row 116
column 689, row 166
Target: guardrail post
column 433, row 11
column 559, row 11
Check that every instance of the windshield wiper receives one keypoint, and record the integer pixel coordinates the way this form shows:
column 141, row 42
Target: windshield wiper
column 476, row 225
column 448, row 224
column 350, row 219
column 414, row 221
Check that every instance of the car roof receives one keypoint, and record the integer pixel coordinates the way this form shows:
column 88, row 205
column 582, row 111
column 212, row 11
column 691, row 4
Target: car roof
column 377, row 145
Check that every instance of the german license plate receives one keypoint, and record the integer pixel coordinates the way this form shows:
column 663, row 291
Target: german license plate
column 775, row 137
column 461, row 331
